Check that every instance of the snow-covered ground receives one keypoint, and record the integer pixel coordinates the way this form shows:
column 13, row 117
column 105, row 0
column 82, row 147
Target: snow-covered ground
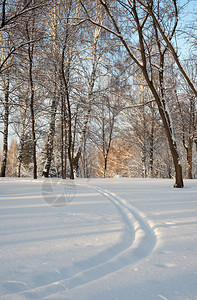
column 102, row 239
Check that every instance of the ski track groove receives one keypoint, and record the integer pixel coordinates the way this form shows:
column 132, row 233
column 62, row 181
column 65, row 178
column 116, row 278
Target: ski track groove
column 141, row 245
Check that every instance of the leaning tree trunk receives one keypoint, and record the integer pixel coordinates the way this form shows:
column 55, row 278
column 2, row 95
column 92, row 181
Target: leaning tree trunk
column 143, row 65
column 160, row 99
column 168, row 127
column 5, row 131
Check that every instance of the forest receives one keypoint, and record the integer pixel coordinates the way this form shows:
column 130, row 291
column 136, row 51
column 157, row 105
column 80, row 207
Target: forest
column 98, row 89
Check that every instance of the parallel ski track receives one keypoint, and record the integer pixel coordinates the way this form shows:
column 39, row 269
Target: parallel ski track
column 141, row 245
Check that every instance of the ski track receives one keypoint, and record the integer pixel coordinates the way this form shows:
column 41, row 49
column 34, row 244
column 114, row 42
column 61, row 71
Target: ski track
column 144, row 237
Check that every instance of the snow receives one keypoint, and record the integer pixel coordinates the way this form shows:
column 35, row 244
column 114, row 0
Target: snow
column 120, row 238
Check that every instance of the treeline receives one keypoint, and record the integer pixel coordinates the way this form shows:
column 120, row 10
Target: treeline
column 97, row 88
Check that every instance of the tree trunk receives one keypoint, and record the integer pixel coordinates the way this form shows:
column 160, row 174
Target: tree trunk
column 50, row 139
column 168, row 127
column 63, row 137
column 144, row 141
column 65, row 80
column 144, row 160
column 160, row 100
column 30, row 52
column 146, row 72
column 22, row 140
column 54, row 103
column 70, row 143
column 87, row 113
column 105, row 166
column 189, row 157
column 20, row 155
column 33, row 134
column 192, row 129
column 152, row 145
column 5, row 131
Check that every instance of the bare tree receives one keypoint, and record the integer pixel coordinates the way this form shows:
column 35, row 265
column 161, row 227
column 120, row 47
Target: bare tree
column 143, row 55
column 149, row 6
column 107, row 110
column 11, row 15
column 14, row 10
column 95, row 56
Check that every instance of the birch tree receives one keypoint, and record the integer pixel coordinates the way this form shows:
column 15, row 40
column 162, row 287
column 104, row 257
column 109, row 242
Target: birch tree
column 6, row 93
column 52, row 21
column 95, row 57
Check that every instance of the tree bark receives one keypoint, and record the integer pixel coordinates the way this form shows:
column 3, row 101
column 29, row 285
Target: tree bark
column 151, row 162
column 32, row 95
column 22, row 138
column 189, row 157
column 50, row 139
column 5, row 131
column 105, row 166
column 21, row 146
column 63, row 137
column 65, row 80
column 54, row 102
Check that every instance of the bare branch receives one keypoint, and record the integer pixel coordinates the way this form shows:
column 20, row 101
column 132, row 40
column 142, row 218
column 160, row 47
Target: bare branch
column 169, row 44
column 14, row 49
column 15, row 16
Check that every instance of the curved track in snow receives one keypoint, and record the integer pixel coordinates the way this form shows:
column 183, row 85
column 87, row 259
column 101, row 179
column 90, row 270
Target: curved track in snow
column 143, row 240
column 144, row 230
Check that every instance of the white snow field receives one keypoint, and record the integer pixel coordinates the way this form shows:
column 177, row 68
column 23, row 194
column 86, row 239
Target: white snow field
column 102, row 239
